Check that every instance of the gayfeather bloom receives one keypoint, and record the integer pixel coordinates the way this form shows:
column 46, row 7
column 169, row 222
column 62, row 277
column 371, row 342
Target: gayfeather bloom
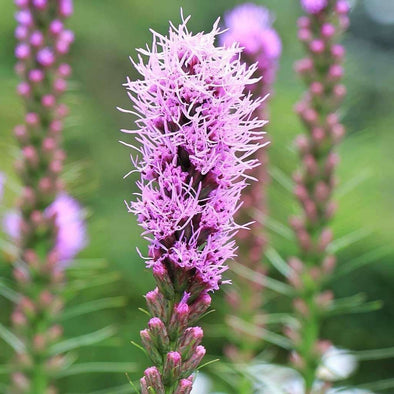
column 71, row 235
column 196, row 132
column 314, row 6
column 197, row 135
column 251, row 26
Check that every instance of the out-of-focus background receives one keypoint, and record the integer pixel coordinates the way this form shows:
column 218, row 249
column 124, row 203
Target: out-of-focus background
column 107, row 32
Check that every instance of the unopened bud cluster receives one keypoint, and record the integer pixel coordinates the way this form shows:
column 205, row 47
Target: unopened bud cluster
column 322, row 72
column 42, row 43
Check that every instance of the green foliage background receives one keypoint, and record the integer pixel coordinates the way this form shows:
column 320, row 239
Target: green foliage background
column 107, row 32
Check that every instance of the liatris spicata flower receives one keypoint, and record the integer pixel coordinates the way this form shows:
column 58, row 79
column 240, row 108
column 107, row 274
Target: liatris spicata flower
column 197, row 134
column 70, row 224
column 322, row 72
column 251, row 26
column 42, row 43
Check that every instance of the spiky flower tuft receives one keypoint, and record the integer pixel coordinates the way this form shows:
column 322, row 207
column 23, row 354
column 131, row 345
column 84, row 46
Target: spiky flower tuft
column 196, row 134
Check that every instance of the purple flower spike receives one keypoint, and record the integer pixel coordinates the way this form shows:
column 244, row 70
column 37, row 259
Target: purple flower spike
column 71, row 235
column 193, row 123
column 251, row 26
column 196, row 136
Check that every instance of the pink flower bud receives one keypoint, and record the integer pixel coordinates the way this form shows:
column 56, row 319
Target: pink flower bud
column 303, row 22
column 304, row 66
column 179, row 320
column 156, row 304
column 48, row 145
column 342, row 7
column 24, row 89
column 61, row 110
column 172, row 367
column 304, row 35
column 318, row 135
column 40, row 4
column 30, row 155
column 21, row 3
column 45, row 299
column 21, row 275
column 21, row 134
column 36, row 75
column 301, row 307
column 56, row 127
column 296, row 223
column 27, row 306
column 339, row 91
column 22, row 51
column 150, row 347
column 199, row 306
column 192, row 363
column 328, row 30
column 48, row 100
column 32, row 119
column 154, row 380
column 310, row 211
column 46, row 58
column 310, row 116
column 21, row 32
column 39, row 342
column 20, row 381
column 184, row 387
column 65, row 8
column 37, row 39
column 18, row 319
column 324, row 299
column 324, row 239
column 311, row 165
column 337, row 51
column 159, row 334
column 55, row 332
column 335, row 72
column 60, row 85
column 56, row 27
column 317, row 46
column 64, row 70
column 322, row 192
column 56, row 167
column 189, row 341
column 296, row 264
column 302, row 143
column 45, row 185
column 163, row 280
column 329, row 263
column 24, row 17
column 316, row 88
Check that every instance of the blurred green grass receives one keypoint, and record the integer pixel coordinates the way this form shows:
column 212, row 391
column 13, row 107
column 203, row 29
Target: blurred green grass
column 107, row 32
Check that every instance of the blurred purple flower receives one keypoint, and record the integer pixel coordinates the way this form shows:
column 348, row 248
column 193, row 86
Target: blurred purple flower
column 196, row 132
column 251, row 26
column 71, row 235
column 314, row 6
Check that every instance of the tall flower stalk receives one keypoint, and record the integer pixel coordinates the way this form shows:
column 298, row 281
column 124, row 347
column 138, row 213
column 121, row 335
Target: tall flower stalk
column 251, row 26
column 321, row 70
column 39, row 227
column 197, row 136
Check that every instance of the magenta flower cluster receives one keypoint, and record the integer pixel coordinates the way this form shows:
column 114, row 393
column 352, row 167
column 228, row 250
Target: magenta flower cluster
column 251, row 26
column 197, row 135
column 71, row 235
column 314, row 6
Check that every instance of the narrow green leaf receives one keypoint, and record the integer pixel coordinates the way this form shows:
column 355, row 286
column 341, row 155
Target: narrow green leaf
column 209, row 363
column 371, row 256
column 375, row 354
column 347, row 240
column 93, row 306
column 278, row 228
column 353, row 304
column 11, row 339
column 354, row 181
column 259, row 332
column 262, row 280
column 279, row 176
column 98, row 367
column 144, row 311
column 77, row 285
column 378, row 386
column 277, row 261
column 138, row 346
column 83, row 340
column 8, row 293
